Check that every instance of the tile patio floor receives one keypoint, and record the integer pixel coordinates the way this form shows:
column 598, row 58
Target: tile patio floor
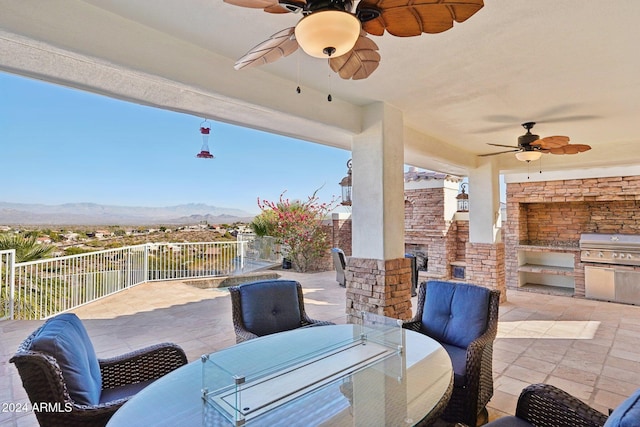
column 589, row 348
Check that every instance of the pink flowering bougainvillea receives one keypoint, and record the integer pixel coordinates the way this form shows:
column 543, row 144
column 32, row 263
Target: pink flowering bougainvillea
column 297, row 226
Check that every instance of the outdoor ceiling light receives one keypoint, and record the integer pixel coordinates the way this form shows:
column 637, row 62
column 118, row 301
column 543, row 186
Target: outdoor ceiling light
column 328, row 33
column 527, row 156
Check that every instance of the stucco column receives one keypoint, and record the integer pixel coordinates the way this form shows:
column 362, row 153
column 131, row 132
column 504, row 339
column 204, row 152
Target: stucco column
column 485, row 250
column 377, row 272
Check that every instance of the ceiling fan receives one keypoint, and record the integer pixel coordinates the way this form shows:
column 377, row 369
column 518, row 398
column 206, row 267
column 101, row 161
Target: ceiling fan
column 531, row 147
column 331, row 29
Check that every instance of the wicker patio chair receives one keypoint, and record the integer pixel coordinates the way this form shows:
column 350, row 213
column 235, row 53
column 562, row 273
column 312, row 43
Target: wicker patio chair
column 463, row 318
column 77, row 388
column 268, row 306
column 543, row 405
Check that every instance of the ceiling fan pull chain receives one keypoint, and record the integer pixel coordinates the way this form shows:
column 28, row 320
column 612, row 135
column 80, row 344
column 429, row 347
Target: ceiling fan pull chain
column 298, row 58
column 329, row 82
column 329, row 98
column 540, row 164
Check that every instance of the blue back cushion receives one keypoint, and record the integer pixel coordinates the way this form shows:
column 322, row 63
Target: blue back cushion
column 455, row 313
column 627, row 414
column 65, row 338
column 270, row 306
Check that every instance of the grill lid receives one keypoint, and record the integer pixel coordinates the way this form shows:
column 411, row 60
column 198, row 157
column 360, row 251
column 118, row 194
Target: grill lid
column 610, row 241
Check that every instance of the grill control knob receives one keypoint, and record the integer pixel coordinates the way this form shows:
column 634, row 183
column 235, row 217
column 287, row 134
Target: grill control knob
column 600, row 254
column 587, row 253
column 614, row 255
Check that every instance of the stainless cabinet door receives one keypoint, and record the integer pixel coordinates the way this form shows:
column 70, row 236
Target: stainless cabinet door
column 599, row 283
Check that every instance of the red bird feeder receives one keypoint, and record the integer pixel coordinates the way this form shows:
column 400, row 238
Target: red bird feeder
column 204, row 151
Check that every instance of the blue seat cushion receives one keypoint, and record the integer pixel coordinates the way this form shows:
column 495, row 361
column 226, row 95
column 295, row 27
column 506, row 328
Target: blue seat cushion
column 270, row 306
column 65, row 338
column 455, row 313
column 627, row 414
column 458, row 358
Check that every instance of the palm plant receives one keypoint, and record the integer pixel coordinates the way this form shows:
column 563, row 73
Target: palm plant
column 27, row 248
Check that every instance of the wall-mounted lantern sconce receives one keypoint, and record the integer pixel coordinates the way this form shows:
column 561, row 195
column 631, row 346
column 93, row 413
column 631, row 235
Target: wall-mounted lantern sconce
column 463, row 198
column 347, row 186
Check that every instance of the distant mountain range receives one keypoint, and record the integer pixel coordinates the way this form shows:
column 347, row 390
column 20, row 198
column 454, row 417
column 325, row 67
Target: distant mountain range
column 95, row 214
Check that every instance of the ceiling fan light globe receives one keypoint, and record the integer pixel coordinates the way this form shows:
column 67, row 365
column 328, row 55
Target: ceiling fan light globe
column 326, row 30
column 528, row 156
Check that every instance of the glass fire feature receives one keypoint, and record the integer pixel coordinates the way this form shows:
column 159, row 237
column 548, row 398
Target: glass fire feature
column 270, row 379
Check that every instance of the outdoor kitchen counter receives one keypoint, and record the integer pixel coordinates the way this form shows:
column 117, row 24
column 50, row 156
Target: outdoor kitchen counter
column 552, row 246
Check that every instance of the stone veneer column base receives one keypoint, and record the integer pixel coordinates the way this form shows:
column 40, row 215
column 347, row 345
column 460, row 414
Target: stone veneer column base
column 378, row 286
column 486, row 266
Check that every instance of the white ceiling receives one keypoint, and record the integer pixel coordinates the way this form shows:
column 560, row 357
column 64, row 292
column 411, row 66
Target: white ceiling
column 572, row 66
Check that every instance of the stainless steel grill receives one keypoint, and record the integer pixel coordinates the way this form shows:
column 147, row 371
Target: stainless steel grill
column 620, row 249
column 616, row 280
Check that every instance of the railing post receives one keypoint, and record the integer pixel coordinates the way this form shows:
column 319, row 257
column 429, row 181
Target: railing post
column 128, row 269
column 242, row 250
column 146, row 262
column 12, row 283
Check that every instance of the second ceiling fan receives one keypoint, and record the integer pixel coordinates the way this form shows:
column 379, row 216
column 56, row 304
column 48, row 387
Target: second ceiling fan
column 330, row 29
column 531, row 147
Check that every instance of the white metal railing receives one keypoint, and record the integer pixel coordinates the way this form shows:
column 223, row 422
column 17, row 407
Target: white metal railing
column 170, row 261
column 43, row 288
column 7, row 260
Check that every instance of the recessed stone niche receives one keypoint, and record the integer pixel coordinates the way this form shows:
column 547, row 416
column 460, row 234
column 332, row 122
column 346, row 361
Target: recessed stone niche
column 548, row 217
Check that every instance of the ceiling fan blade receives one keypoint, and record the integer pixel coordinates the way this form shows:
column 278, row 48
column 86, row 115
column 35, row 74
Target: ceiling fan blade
column 499, row 152
column 407, row 18
column 360, row 62
column 552, row 142
column 276, row 8
column 254, row 4
column 570, row 149
column 270, row 6
column 501, row 145
column 279, row 45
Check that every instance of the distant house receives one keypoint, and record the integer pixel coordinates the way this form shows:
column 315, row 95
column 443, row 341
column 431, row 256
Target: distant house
column 44, row 240
column 243, row 228
column 5, row 228
column 101, row 234
column 71, row 236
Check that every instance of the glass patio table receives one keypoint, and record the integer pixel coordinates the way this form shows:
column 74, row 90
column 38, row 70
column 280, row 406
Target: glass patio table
column 370, row 374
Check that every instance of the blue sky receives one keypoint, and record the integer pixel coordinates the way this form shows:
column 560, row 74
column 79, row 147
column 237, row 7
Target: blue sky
column 61, row 145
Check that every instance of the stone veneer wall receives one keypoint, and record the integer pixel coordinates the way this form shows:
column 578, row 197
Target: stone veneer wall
column 462, row 237
column 378, row 286
column 443, row 241
column 424, row 213
column 549, row 216
column 426, row 227
column 342, row 235
column 485, row 266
